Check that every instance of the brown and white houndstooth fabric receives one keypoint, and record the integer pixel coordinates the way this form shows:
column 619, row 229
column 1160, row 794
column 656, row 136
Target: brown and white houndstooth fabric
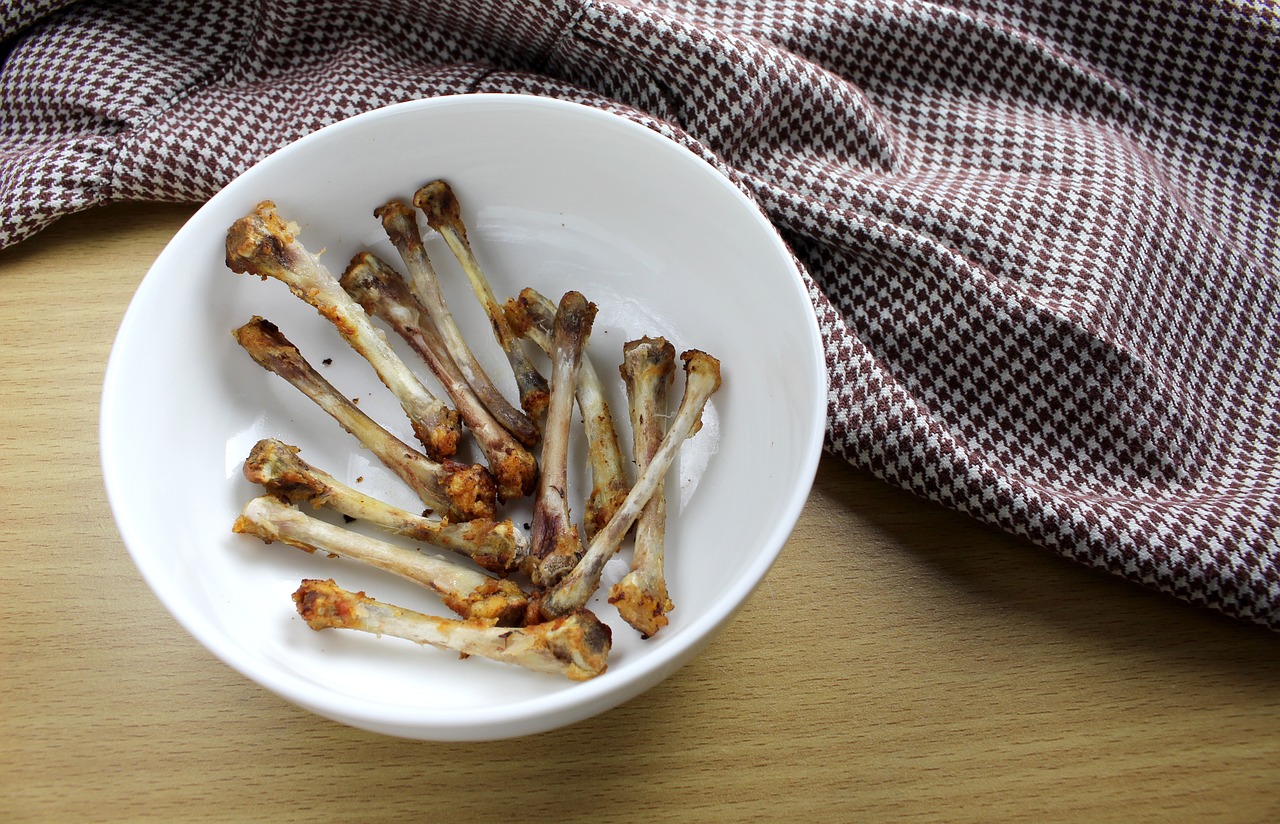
column 1040, row 235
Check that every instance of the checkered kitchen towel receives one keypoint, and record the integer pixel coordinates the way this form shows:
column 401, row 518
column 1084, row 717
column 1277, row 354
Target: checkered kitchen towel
column 1040, row 235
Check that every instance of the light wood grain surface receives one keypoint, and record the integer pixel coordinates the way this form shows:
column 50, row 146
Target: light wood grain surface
column 901, row 662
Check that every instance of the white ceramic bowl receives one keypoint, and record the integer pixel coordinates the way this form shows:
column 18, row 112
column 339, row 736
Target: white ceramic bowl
column 556, row 196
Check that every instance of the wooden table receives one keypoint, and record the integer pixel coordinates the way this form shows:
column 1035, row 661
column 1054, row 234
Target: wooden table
column 967, row 675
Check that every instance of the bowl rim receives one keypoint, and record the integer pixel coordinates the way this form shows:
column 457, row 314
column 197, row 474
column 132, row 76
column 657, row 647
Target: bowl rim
column 518, row 717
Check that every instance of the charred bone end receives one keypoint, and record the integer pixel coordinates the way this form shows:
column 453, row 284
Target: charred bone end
column 499, row 546
column 516, row 311
column 601, row 504
column 535, row 397
column 700, row 366
column 275, row 465
column 438, row 202
column 247, row 523
column 440, row 436
column 646, row 354
column 268, row 346
column 580, row 640
column 400, row 223
column 561, row 560
column 371, row 281
column 516, row 472
column 497, row 600
column 260, row 243
column 324, row 605
column 575, row 316
column 471, row 490
column 535, row 394
column 571, row 330
column 644, row 608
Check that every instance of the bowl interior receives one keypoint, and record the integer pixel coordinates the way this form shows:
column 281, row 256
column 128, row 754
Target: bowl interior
column 555, row 196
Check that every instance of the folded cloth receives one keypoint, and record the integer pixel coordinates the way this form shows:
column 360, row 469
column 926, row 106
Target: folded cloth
column 1040, row 236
